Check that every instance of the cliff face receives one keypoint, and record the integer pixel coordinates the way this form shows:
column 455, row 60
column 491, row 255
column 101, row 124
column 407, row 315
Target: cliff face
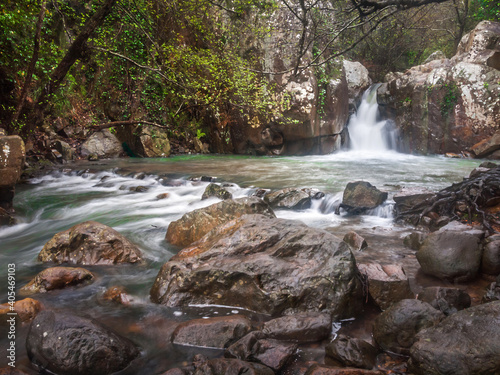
column 314, row 104
column 448, row 105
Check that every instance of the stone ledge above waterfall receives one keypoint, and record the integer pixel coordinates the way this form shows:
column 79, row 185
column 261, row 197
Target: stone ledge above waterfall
column 448, row 105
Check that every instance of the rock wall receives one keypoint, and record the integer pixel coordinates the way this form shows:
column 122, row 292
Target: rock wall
column 314, row 103
column 448, row 105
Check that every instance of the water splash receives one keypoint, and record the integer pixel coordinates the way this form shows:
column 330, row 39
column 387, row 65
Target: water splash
column 365, row 131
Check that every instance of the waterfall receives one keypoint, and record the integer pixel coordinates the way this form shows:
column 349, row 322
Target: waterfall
column 365, row 132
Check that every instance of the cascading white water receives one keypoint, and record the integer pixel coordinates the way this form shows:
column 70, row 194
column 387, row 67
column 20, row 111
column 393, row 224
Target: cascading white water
column 365, row 132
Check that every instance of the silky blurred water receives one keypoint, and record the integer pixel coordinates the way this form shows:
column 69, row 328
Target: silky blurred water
column 104, row 191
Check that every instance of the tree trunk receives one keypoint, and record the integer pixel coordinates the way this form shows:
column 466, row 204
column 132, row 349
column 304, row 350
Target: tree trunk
column 31, row 67
column 75, row 51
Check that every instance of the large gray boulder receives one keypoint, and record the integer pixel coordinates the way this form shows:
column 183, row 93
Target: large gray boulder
column 195, row 224
column 263, row 264
column 450, row 255
column 89, row 243
column 70, row 345
column 465, row 343
column 357, row 79
column 102, row 144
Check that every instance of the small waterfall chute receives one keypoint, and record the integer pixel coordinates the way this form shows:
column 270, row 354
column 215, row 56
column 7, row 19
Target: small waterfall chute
column 366, row 132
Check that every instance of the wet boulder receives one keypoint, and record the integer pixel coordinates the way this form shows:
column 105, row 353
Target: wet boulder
column 217, row 191
column 26, row 309
column 355, row 241
column 102, row 144
column 327, row 370
column 116, row 294
column 56, row 278
column 490, row 261
column 90, row 243
column 266, row 265
column 450, row 255
column 361, row 196
column 387, row 284
column 293, row 198
column 395, row 329
column 227, row 366
column 255, row 347
column 447, row 300
column 67, row 344
column 465, row 343
column 351, row 352
column 218, row 332
column 306, row 327
column 195, row 224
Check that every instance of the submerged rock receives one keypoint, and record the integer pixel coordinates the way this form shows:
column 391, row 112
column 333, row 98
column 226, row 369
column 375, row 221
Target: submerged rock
column 90, row 243
column 218, row 332
column 66, row 344
column 195, row 224
column 266, row 265
column 56, row 278
column 465, row 343
column 395, row 329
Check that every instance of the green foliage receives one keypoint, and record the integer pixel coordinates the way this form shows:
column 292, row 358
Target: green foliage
column 486, row 10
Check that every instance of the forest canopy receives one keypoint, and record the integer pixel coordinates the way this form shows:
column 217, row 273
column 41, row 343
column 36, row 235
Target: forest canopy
column 186, row 63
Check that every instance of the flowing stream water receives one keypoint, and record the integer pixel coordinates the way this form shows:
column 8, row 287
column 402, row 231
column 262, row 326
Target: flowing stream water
column 104, row 191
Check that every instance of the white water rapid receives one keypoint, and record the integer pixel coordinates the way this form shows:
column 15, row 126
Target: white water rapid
column 366, row 132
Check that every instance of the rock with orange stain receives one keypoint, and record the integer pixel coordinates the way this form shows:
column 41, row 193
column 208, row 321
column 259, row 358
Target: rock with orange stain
column 26, row 309
column 56, row 278
column 116, row 294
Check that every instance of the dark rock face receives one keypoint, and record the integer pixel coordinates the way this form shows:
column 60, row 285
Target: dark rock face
column 387, row 284
column 450, row 255
column 90, row 243
column 360, row 196
column 195, row 224
column 70, row 345
column 395, row 329
column 351, row 352
column 214, row 190
column 6, row 218
column 307, row 327
column 217, row 332
column 266, row 265
column 56, row 278
column 447, row 300
column 465, row 343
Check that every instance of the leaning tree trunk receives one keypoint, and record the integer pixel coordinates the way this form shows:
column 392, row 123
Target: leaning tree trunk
column 75, row 51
